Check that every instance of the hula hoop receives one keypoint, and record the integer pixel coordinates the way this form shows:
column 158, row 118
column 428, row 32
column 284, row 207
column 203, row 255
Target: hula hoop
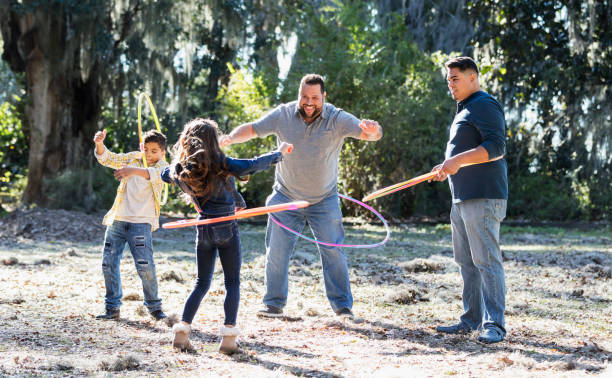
column 343, row 245
column 239, row 214
column 413, row 181
column 399, row 186
column 141, row 141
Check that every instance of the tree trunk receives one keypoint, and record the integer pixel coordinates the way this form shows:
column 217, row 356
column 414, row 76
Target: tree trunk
column 223, row 53
column 265, row 49
column 63, row 108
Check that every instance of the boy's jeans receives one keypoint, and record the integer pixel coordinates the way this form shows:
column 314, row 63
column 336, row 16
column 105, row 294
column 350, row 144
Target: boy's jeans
column 138, row 237
column 325, row 221
column 475, row 229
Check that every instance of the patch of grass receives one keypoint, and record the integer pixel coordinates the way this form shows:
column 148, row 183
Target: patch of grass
column 595, row 231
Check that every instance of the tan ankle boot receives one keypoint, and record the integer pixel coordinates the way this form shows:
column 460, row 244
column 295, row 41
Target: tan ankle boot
column 228, row 340
column 181, row 336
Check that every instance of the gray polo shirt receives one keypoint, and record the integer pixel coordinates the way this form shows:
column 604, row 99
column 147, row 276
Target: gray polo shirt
column 310, row 171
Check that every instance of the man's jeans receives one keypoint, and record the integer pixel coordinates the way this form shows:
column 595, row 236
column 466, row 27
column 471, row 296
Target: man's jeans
column 325, row 221
column 138, row 237
column 475, row 229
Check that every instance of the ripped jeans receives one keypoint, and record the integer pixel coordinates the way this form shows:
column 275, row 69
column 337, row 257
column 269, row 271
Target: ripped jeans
column 138, row 237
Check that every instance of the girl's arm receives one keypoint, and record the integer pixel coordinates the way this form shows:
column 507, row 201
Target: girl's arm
column 244, row 167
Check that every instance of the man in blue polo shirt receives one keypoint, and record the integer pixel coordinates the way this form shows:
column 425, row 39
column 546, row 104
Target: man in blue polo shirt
column 317, row 130
column 480, row 193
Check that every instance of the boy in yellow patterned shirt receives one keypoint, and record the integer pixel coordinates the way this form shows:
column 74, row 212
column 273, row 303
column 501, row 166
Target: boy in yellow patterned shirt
column 132, row 218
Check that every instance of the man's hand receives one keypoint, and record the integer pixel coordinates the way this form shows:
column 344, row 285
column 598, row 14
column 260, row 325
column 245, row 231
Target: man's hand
column 371, row 129
column 441, row 176
column 240, row 134
column 225, row 140
column 285, row 148
column 450, row 166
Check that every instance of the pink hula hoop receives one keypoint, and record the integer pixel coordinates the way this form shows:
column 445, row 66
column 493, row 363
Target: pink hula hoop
column 342, row 245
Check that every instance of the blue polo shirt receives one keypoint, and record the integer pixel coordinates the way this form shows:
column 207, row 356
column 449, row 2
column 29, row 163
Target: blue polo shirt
column 479, row 121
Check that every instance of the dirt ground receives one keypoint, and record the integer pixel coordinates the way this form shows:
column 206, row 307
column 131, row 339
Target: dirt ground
column 559, row 306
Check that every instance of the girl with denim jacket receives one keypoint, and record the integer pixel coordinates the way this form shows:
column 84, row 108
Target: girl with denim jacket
column 207, row 178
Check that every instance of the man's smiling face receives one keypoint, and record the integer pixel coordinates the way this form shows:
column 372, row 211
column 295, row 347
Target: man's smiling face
column 311, row 101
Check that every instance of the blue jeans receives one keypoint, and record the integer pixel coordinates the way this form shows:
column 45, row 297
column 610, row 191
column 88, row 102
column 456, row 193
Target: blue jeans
column 138, row 237
column 475, row 229
column 222, row 238
column 325, row 221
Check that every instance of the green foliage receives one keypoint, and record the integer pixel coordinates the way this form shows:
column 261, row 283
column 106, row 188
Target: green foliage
column 536, row 196
column 89, row 190
column 13, row 155
column 245, row 99
column 380, row 74
column 11, row 189
column 549, row 63
column 9, row 81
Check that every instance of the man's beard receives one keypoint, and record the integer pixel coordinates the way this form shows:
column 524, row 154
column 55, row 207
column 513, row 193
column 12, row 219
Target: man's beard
column 315, row 114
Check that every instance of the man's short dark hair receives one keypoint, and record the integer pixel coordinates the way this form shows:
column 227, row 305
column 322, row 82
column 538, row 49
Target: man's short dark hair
column 313, row 79
column 463, row 63
column 154, row 136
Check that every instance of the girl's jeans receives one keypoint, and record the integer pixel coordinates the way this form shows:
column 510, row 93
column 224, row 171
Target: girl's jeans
column 222, row 238
column 138, row 237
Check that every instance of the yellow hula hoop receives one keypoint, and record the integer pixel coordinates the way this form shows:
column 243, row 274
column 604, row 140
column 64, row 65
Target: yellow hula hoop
column 141, row 145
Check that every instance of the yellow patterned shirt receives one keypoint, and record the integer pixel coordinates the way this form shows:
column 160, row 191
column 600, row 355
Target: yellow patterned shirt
column 122, row 209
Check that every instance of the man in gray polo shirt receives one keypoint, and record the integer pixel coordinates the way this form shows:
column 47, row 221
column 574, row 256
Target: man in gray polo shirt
column 310, row 173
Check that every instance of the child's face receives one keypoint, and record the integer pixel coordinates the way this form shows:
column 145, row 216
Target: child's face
column 154, row 153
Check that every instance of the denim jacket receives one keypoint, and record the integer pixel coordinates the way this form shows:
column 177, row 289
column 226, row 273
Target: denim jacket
column 225, row 198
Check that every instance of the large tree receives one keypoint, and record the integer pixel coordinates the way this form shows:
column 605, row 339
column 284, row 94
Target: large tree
column 64, row 48
column 79, row 56
column 434, row 25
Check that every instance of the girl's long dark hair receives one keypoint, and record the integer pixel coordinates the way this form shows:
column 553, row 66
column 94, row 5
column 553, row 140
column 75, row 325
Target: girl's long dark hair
column 199, row 161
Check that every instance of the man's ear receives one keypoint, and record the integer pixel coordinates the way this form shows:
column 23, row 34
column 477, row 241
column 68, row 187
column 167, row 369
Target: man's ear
column 324, row 95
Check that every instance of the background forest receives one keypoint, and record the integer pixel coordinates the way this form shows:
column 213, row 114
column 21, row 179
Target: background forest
column 72, row 67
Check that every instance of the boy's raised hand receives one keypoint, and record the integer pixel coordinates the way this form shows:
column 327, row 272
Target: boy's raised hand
column 99, row 137
column 99, row 141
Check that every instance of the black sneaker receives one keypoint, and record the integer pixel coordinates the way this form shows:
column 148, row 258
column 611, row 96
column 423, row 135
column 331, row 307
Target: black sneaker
column 345, row 313
column 111, row 313
column 455, row 329
column 270, row 312
column 158, row 315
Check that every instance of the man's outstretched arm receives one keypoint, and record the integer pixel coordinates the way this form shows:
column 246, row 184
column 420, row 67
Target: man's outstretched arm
column 240, row 134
